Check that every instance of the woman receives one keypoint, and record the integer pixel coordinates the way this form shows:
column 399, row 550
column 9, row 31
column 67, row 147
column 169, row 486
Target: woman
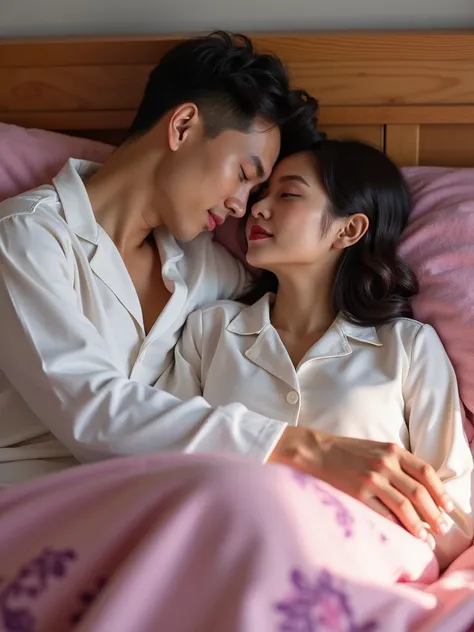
column 334, row 350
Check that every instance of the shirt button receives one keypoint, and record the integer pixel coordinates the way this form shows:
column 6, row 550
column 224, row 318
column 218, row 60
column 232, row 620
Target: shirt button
column 292, row 397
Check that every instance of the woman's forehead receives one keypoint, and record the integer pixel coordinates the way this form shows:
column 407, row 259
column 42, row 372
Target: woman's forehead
column 302, row 163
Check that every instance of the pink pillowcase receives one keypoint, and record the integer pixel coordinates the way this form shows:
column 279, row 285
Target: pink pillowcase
column 31, row 157
column 439, row 244
column 439, row 241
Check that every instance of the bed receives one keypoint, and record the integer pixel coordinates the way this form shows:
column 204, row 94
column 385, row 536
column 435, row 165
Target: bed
column 410, row 94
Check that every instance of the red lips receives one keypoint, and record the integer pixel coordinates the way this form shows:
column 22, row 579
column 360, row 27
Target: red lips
column 258, row 232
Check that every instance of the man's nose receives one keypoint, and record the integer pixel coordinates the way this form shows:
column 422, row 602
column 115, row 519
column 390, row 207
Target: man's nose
column 235, row 206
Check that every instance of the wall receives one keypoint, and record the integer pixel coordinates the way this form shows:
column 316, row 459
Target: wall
column 22, row 18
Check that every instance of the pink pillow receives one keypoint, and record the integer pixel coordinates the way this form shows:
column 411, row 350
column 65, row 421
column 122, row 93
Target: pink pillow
column 31, row 157
column 439, row 244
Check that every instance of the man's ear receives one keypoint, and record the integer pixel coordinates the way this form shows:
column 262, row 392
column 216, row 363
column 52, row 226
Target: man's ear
column 183, row 120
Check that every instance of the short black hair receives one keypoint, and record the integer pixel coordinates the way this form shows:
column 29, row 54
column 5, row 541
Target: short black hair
column 373, row 285
column 229, row 81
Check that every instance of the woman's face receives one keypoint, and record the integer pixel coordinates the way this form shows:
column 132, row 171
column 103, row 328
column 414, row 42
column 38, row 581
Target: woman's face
column 286, row 226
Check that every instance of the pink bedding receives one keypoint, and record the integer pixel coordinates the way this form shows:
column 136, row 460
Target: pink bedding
column 206, row 544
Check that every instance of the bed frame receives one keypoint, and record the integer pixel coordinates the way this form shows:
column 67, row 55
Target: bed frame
column 411, row 94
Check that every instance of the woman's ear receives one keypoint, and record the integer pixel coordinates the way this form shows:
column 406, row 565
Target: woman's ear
column 352, row 230
column 182, row 121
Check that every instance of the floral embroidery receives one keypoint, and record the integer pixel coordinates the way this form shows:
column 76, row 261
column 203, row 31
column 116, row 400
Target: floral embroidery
column 319, row 606
column 382, row 537
column 87, row 598
column 343, row 516
column 30, row 582
column 301, row 478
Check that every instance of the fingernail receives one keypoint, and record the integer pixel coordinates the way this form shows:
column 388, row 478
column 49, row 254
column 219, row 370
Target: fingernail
column 422, row 533
column 448, row 505
column 443, row 528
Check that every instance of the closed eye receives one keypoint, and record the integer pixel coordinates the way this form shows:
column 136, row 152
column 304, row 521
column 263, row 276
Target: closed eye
column 243, row 176
column 290, row 195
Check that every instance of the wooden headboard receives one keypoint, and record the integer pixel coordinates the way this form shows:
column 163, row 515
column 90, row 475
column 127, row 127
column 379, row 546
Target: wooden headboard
column 411, row 94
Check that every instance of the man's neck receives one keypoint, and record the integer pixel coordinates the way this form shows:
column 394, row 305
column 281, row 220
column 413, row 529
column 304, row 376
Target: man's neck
column 121, row 198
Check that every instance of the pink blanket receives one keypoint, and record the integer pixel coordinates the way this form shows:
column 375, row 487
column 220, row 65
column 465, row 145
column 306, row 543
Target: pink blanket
column 206, row 544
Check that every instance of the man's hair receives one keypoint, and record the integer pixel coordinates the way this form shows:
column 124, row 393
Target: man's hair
column 229, row 82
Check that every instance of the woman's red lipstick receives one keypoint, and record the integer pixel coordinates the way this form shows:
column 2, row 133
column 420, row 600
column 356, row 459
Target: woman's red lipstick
column 257, row 232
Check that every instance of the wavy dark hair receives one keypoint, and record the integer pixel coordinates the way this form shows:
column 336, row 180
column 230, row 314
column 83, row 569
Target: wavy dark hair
column 373, row 285
column 230, row 82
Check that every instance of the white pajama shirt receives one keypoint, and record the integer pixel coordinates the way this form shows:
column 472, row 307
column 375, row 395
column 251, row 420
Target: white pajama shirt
column 76, row 368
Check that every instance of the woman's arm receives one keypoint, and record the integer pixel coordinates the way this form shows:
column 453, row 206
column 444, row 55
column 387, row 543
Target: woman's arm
column 58, row 363
column 435, row 419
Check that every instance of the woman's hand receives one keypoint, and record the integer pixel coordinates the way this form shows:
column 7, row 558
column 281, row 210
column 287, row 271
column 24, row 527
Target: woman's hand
column 387, row 478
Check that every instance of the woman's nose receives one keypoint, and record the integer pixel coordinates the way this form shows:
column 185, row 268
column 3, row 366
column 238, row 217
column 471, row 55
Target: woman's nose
column 261, row 209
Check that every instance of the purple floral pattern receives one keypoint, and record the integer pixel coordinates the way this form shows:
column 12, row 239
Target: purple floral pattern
column 344, row 518
column 86, row 598
column 31, row 581
column 301, row 478
column 319, row 606
column 382, row 537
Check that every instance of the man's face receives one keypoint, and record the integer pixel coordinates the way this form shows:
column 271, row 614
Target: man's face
column 206, row 180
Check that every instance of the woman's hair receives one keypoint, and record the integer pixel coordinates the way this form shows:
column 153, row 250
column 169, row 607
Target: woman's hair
column 373, row 285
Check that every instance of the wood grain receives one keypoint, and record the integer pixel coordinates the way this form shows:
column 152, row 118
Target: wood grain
column 402, row 114
column 402, row 144
column 390, row 82
column 334, row 83
column 372, row 134
column 71, row 120
column 447, row 145
column 72, row 88
column 291, row 47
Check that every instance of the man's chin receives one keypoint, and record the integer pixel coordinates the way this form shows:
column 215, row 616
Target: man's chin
column 186, row 235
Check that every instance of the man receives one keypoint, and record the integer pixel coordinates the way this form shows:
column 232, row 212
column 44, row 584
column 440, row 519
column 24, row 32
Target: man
column 100, row 270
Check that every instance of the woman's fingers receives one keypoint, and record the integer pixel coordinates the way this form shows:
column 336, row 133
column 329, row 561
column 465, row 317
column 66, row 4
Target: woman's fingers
column 388, row 478
column 400, row 506
column 425, row 474
column 421, row 500
column 381, row 509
